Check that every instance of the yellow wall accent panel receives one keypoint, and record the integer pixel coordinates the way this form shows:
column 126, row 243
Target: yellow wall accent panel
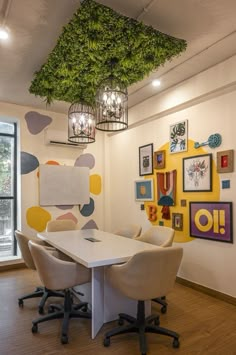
column 95, row 184
column 37, row 218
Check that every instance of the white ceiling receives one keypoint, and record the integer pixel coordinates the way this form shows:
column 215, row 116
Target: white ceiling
column 208, row 26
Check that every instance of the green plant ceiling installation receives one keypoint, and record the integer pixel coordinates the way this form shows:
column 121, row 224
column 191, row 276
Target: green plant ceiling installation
column 95, row 36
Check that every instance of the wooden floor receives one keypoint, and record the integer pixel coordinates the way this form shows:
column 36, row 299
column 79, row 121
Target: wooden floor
column 206, row 325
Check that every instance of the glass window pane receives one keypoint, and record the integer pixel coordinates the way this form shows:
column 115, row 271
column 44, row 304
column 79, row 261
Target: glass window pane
column 7, row 128
column 6, row 168
column 6, row 228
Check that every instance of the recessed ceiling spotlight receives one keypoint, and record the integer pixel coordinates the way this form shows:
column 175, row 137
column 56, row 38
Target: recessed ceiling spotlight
column 156, row 82
column 4, row 35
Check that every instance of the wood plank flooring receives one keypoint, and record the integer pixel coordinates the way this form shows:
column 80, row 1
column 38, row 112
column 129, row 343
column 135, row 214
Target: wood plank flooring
column 206, row 325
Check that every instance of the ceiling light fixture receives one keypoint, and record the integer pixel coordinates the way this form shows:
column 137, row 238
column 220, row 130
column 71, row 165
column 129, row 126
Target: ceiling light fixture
column 81, row 124
column 4, row 12
column 4, row 35
column 112, row 104
column 156, row 82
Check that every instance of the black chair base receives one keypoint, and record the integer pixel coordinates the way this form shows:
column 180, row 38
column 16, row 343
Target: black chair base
column 66, row 311
column 140, row 325
column 40, row 292
column 162, row 302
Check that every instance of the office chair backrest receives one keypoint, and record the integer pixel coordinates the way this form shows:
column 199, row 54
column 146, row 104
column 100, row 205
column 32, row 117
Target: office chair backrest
column 57, row 225
column 129, row 231
column 22, row 241
column 57, row 274
column 158, row 235
column 148, row 274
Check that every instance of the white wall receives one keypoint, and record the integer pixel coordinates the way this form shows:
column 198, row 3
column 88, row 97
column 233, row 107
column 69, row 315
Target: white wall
column 208, row 102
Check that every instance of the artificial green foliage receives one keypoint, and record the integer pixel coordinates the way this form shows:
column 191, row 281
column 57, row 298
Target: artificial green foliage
column 95, row 36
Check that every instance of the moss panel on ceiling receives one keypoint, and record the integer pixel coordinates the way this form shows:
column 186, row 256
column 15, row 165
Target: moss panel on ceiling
column 95, row 38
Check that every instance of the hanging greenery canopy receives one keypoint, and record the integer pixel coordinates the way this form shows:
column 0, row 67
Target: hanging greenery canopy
column 89, row 43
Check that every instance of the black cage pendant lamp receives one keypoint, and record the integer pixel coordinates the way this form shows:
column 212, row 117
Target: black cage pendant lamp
column 111, row 105
column 81, row 124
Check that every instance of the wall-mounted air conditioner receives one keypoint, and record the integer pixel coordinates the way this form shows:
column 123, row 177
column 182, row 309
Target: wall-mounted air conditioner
column 59, row 138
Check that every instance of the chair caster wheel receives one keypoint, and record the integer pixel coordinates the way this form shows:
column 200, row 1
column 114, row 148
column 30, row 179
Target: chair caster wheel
column 157, row 322
column 120, row 321
column 176, row 343
column 163, row 309
column 84, row 309
column 51, row 309
column 34, row 328
column 64, row 339
column 20, row 303
column 41, row 310
column 106, row 342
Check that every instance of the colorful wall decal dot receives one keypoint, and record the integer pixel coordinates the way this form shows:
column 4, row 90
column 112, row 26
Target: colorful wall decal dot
column 65, row 207
column 86, row 160
column 68, row 215
column 29, row 163
column 37, row 218
column 52, row 162
column 90, row 225
column 95, row 184
column 36, row 122
column 87, row 209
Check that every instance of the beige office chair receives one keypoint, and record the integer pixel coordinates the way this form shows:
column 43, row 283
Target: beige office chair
column 42, row 292
column 57, row 225
column 158, row 235
column 163, row 237
column 148, row 274
column 57, row 274
column 129, row 231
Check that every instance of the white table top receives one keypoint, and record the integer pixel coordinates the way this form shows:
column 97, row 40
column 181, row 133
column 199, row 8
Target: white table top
column 111, row 248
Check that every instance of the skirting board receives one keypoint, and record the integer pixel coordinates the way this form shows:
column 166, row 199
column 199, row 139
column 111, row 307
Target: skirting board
column 7, row 267
column 219, row 295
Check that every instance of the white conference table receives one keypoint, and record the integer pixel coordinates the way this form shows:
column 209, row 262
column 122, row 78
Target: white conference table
column 110, row 249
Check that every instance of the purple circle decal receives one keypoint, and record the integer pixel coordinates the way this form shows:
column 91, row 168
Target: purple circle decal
column 36, row 122
column 85, row 160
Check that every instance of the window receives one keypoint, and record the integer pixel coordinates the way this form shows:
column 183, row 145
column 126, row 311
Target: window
column 8, row 189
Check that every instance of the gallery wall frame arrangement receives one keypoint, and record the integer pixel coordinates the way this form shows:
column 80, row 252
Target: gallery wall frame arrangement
column 211, row 221
column 225, row 161
column 197, row 173
column 144, row 190
column 146, row 160
column 179, row 137
column 159, row 159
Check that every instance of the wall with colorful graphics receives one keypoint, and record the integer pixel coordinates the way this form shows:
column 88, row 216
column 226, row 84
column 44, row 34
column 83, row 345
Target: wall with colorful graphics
column 208, row 103
column 34, row 152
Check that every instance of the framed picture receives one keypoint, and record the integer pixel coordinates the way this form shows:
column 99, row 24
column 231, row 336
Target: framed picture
column 225, row 161
column 146, row 160
column 144, row 190
column 211, row 220
column 179, row 137
column 197, row 173
column 159, row 159
column 177, row 221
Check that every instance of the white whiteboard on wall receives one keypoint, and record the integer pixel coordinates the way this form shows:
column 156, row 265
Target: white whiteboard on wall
column 63, row 185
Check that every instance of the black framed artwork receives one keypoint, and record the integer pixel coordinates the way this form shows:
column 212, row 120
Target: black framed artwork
column 146, row 160
column 211, row 220
column 197, row 173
